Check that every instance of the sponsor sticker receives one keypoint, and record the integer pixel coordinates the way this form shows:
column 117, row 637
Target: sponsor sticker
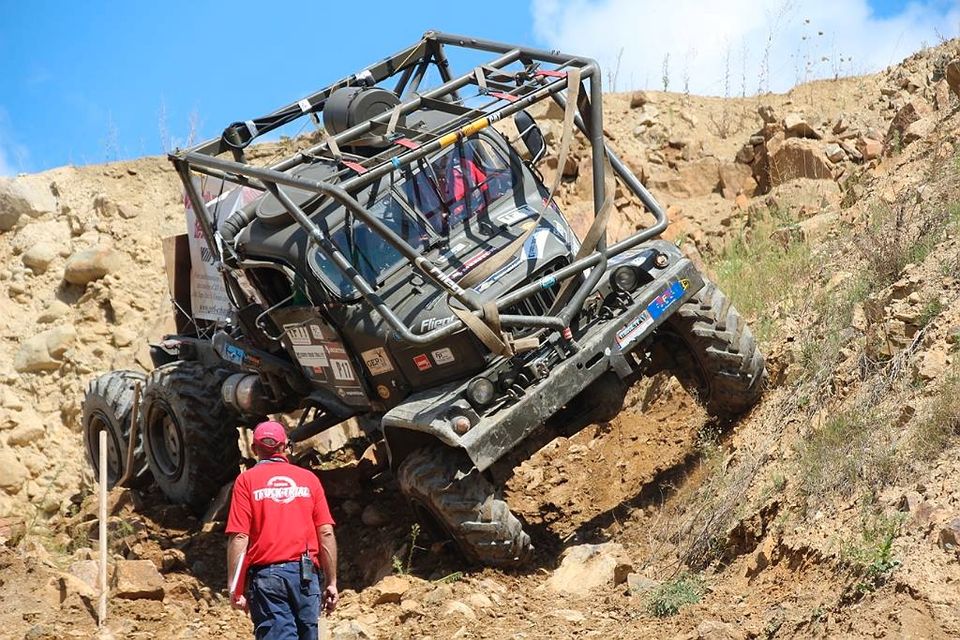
column 667, row 297
column 235, row 354
column 516, row 215
column 470, row 263
column 342, row 369
column 383, row 391
column 443, row 356
column 633, row 329
column 313, row 356
column 656, row 308
column 535, row 244
column 377, row 361
column 298, row 334
column 435, row 323
column 422, row 362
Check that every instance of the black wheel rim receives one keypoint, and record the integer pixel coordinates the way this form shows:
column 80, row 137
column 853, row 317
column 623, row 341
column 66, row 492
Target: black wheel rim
column 166, row 443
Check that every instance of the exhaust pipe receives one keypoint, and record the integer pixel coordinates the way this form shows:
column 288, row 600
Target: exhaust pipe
column 245, row 393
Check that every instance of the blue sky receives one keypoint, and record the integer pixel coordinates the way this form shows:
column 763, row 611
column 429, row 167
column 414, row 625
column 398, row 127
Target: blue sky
column 87, row 82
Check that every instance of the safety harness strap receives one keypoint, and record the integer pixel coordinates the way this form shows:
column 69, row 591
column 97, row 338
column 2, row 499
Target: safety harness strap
column 489, row 267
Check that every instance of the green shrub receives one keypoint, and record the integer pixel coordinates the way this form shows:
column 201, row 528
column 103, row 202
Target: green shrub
column 667, row 599
column 870, row 559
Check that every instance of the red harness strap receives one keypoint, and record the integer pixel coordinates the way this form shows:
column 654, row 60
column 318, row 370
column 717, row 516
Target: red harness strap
column 503, row 96
column 356, row 166
column 406, row 142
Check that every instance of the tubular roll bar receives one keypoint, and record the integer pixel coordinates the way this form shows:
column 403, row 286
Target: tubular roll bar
column 411, row 64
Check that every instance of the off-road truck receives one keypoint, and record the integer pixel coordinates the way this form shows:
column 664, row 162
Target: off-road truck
column 411, row 267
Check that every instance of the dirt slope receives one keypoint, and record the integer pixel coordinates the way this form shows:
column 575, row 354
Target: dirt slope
column 831, row 216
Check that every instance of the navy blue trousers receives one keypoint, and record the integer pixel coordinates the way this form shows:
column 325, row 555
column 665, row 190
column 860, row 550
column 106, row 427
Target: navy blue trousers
column 281, row 607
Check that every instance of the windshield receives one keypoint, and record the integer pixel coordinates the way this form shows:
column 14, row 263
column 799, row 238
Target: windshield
column 458, row 185
column 367, row 250
column 446, row 191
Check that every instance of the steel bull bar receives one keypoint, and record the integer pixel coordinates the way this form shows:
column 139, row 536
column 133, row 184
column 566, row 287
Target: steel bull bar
column 605, row 347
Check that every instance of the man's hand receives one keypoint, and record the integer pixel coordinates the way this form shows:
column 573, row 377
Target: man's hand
column 238, row 601
column 330, row 598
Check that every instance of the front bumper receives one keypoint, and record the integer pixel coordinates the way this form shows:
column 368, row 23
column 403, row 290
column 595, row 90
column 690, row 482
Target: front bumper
column 605, row 346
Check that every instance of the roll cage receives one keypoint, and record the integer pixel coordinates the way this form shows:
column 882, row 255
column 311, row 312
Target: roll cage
column 514, row 79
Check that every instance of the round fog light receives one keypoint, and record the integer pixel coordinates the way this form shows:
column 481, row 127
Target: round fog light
column 461, row 424
column 480, row 392
column 625, row 279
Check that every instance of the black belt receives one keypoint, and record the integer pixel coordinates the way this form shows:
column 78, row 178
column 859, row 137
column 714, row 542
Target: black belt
column 257, row 567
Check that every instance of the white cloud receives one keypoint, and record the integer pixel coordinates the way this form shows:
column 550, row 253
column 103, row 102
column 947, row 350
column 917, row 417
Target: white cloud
column 12, row 155
column 719, row 48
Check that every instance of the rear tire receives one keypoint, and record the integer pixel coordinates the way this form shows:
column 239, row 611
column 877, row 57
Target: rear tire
column 108, row 406
column 190, row 437
column 443, row 484
column 719, row 361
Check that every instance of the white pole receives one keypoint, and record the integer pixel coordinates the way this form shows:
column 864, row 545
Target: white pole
column 104, row 463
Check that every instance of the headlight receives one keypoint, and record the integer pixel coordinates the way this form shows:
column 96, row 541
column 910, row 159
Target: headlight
column 480, row 392
column 625, row 279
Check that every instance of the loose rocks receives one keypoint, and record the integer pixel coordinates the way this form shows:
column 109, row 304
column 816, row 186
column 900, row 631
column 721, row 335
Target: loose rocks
column 92, row 264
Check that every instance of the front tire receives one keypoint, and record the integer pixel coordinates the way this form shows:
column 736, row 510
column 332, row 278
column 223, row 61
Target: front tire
column 715, row 356
column 108, row 406
column 443, row 484
column 189, row 434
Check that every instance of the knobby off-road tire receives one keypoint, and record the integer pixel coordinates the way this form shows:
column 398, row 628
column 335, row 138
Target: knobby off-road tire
column 443, row 485
column 108, row 406
column 725, row 369
column 190, row 436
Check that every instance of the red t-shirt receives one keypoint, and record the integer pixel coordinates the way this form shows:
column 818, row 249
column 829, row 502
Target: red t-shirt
column 279, row 506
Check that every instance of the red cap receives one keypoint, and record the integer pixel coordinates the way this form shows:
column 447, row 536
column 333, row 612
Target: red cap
column 270, row 434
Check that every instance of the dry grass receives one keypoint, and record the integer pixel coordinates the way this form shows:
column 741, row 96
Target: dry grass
column 938, row 428
column 897, row 236
column 856, row 451
column 706, row 516
column 757, row 269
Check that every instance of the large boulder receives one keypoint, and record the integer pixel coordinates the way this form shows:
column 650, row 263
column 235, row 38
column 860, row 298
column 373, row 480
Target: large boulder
column 906, row 116
column 794, row 158
column 55, row 232
column 588, row 566
column 797, row 126
column 953, row 76
column 14, row 475
column 38, row 257
column 736, row 179
column 390, row 589
column 29, row 196
column 690, row 180
column 138, row 580
column 86, row 266
column 44, row 351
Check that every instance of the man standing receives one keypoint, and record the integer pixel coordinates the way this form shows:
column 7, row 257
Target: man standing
column 280, row 530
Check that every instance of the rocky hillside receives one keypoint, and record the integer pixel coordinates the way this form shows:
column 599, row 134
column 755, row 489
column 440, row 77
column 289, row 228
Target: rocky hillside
column 830, row 214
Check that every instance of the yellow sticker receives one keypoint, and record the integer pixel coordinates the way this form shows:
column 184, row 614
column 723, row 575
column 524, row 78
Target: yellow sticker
column 383, row 391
